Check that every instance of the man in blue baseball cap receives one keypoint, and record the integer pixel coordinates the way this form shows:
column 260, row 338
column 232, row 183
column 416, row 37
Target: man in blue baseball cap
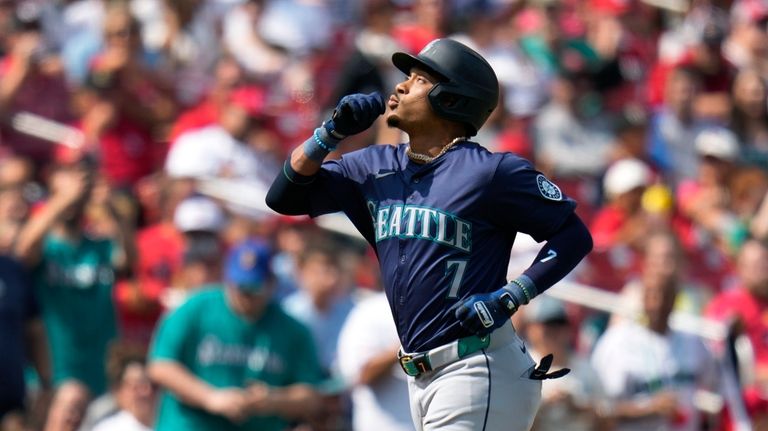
column 230, row 359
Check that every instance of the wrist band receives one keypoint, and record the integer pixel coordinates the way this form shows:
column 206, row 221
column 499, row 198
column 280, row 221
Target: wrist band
column 526, row 286
column 320, row 142
column 316, row 148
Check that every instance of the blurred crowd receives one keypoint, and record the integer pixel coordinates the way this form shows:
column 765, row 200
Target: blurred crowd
column 144, row 284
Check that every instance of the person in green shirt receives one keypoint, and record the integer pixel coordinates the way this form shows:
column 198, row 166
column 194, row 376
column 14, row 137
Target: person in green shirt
column 73, row 277
column 230, row 358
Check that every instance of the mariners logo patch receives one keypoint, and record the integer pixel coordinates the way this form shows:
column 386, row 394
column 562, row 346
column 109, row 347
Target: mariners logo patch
column 548, row 189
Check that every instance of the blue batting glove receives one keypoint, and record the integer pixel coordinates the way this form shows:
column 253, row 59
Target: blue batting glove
column 354, row 113
column 483, row 313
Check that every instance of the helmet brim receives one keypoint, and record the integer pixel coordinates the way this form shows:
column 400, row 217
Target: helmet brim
column 405, row 62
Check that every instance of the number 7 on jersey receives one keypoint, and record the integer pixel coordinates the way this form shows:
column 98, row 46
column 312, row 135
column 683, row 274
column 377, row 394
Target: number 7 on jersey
column 458, row 267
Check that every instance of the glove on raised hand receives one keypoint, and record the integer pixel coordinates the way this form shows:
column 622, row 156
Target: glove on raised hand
column 354, row 113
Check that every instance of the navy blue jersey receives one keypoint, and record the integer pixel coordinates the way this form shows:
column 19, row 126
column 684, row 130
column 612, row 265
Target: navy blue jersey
column 443, row 230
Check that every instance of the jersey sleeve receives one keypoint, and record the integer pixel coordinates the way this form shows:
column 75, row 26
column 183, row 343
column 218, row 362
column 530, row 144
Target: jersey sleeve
column 333, row 189
column 338, row 187
column 523, row 200
column 172, row 333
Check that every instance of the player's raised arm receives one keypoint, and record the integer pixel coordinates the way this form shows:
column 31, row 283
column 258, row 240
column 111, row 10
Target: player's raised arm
column 353, row 114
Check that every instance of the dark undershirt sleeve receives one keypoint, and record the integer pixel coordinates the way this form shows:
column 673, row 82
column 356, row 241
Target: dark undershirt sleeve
column 561, row 253
column 289, row 192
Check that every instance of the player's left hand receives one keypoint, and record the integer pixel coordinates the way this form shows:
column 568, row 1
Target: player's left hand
column 482, row 313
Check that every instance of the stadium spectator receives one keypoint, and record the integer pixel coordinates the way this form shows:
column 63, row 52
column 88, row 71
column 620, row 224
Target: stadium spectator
column 200, row 221
column 125, row 65
column 73, row 275
column 747, row 189
column 572, row 134
column 68, row 407
column 185, row 43
column 673, row 126
column 322, row 301
column 230, row 358
column 370, row 368
column 227, row 77
column 22, row 336
column 224, row 149
column 123, row 148
column 17, row 193
column 705, row 199
column 30, row 71
column 426, row 20
column 747, row 44
column 290, row 238
column 248, row 47
column 651, row 382
column 134, row 393
column 620, row 225
column 744, row 307
column 749, row 117
column 159, row 249
column 573, row 402
column 664, row 261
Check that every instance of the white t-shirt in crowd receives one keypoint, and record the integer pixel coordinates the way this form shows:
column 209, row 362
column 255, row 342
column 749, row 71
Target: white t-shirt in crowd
column 368, row 331
column 634, row 363
column 121, row 421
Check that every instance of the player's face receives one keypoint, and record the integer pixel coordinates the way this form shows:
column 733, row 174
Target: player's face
column 409, row 106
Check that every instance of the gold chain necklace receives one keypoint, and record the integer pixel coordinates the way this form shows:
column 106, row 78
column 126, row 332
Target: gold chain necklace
column 418, row 157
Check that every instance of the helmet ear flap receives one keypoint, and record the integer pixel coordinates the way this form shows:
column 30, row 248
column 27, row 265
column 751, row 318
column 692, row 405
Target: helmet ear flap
column 450, row 104
column 447, row 101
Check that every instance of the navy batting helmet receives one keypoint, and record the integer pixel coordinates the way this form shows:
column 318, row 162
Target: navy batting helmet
column 467, row 91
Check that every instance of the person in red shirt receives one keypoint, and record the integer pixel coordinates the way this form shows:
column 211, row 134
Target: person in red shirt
column 30, row 72
column 228, row 76
column 619, row 227
column 426, row 22
column 705, row 57
column 747, row 307
column 192, row 226
column 124, row 148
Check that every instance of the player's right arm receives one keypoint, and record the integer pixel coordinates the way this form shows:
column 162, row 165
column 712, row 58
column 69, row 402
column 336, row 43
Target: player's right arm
column 290, row 191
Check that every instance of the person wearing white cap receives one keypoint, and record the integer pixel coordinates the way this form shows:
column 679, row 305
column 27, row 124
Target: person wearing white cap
column 624, row 184
column 200, row 220
column 705, row 199
column 719, row 143
column 619, row 225
column 199, row 214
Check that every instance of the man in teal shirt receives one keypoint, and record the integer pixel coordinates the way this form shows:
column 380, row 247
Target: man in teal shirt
column 230, row 359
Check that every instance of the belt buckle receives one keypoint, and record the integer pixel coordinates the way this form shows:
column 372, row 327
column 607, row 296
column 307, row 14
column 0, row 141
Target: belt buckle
column 415, row 364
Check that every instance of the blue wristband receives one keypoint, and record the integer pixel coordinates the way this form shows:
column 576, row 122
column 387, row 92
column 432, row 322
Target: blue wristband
column 320, row 145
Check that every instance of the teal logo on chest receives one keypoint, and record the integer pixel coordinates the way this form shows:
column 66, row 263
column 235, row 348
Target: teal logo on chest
column 418, row 222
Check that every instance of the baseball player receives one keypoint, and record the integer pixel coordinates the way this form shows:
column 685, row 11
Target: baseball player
column 442, row 213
